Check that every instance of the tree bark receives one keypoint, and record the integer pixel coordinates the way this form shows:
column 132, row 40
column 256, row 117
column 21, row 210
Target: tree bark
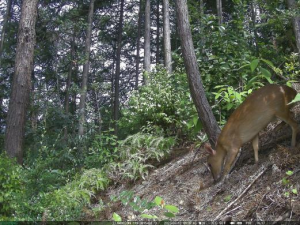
column 21, row 84
column 219, row 11
column 157, row 32
column 296, row 24
column 5, row 23
column 86, row 68
column 69, row 80
column 167, row 38
column 147, row 56
column 195, row 83
column 118, row 68
column 34, row 114
column 137, row 67
column 253, row 17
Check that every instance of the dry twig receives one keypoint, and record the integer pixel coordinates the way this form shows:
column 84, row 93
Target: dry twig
column 263, row 170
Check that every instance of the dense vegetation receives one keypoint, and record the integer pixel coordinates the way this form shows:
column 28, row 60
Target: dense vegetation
column 62, row 171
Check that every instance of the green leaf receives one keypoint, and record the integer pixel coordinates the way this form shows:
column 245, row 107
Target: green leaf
column 169, row 215
column 171, row 208
column 284, row 181
column 290, row 173
column 268, row 62
column 269, row 80
column 117, row 218
column 195, row 119
column 254, row 64
column 229, row 106
column 158, row 201
column 147, row 216
column 265, row 72
column 294, row 190
column 296, row 99
column 198, row 126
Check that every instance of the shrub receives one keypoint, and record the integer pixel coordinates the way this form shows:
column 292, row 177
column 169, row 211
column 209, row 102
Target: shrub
column 163, row 104
column 11, row 186
column 135, row 153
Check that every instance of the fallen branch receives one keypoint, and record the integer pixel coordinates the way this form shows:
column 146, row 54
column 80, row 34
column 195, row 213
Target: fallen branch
column 263, row 170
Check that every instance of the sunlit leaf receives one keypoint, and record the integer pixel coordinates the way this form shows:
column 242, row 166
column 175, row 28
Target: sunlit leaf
column 296, row 99
column 116, row 217
column 147, row 216
column 172, row 208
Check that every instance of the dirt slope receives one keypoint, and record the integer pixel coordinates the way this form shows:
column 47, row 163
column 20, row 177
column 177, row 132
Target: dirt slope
column 251, row 192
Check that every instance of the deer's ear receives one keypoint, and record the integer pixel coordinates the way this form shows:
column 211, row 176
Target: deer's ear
column 209, row 149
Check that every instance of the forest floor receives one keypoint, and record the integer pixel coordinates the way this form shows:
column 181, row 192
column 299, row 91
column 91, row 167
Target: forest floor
column 262, row 192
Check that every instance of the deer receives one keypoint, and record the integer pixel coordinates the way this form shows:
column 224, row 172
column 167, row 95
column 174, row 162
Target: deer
column 259, row 109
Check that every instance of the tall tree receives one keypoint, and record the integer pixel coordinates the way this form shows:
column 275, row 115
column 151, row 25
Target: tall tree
column 69, row 79
column 219, row 11
column 86, row 68
column 5, row 23
column 253, row 18
column 118, row 68
column 137, row 67
column 195, row 83
column 157, row 31
column 167, row 38
column 147, row 56
column 296, row 23
column 21, row 84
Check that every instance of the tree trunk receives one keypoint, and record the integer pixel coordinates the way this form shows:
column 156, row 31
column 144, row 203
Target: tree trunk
column 118, row 65
column 157, row 32
column 253, row 17
column 296, row 23
column 197, row 91
column 137, row 67
column 69, row 80
column 97, row 108
column 219, row 11
column 86, row 68
column 4, row 28
column 167, row 38
column 34, row 114
column 73, row 106
column 21, row 84
column 147, row 56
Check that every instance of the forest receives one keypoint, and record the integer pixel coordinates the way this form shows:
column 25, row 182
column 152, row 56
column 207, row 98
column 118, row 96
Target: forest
column 101, row 99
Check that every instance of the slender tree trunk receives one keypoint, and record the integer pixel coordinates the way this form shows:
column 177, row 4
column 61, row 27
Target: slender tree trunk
column 201, row 7
column 296, row 23
column 86, row 68
column 157, row 32
column 201, row 26
column 34, row 115
column 147, row 56
column 253, row 17
column 219, row 11
column 118, row 65
column 167, row 37
column 4, row 28
column 98, row 119
column 137, row 67
column 72, row 107
column 21, row 84
column 197, row 91
column 69, row 80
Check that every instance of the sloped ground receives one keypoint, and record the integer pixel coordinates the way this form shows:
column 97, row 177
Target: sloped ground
column 251, row 192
